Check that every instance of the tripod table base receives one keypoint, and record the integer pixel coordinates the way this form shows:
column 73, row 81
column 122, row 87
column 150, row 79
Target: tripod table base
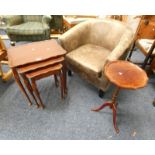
column 112, row 105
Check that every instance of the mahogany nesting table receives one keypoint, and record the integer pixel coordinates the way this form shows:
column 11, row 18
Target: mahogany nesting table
column 124, row 75
column 34, row 57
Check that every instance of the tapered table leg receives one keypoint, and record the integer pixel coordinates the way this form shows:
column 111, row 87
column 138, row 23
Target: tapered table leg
column 56, row 81
column 29, row 87
column 112, row 105
column 62, row 85
column 64, row 78
column 35, row 89
column 17, row 79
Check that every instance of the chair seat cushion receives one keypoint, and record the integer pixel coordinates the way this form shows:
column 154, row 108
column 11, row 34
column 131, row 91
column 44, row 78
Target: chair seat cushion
column 28, row 28
column 144, row 45
column 89, row 57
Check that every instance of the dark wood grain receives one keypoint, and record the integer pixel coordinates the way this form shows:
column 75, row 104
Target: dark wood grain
column 126, row 75
column 34, row 52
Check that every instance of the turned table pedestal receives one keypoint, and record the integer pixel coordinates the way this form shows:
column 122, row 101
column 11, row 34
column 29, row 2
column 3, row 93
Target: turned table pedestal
column 124, row 75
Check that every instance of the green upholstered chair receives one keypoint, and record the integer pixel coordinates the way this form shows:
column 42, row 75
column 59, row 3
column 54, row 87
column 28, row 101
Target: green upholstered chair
column 28, row 27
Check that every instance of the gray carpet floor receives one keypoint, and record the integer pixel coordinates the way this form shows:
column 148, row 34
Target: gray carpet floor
column 72, row 119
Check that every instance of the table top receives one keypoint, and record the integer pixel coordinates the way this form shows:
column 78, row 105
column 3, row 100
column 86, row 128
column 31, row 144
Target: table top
column 42, row 71
column 34, row 52
column 42, row 64
column 125, row 74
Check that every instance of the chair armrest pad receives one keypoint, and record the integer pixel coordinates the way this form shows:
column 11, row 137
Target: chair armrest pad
column 46, row 22
column 46, row 19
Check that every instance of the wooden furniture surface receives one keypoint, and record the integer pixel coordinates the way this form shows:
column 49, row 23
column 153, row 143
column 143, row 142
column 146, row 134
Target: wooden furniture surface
column 3, row 54
column 33, row 76
column 43, row 71
column 146, row 30
column 144, row 38
column 70, row 21
column 3, row 61
column 31, row 67
column 122, row 18
column 146, row 27
column 126, row 75
column 36, row 56
column 34, row 52
column 3, row 50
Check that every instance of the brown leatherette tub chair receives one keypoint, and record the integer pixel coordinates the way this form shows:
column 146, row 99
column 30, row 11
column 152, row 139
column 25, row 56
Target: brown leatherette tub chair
column 94, row 43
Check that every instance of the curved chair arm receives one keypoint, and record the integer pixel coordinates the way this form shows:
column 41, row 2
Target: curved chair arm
column 13, row 20
column 74, row 37
column 46, row 25
column 122, row 47
column 46, row 20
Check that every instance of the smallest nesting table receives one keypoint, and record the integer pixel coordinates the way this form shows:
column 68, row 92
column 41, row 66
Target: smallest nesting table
column 124, row 75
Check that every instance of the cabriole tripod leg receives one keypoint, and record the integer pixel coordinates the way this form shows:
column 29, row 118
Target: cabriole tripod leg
column 112, row 105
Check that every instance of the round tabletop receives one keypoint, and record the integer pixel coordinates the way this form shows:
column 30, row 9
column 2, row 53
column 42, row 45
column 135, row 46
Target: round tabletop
column 125, row 74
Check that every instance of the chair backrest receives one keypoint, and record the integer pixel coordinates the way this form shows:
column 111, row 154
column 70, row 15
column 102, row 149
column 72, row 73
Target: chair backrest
column 32, row 18
column 106, row 33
